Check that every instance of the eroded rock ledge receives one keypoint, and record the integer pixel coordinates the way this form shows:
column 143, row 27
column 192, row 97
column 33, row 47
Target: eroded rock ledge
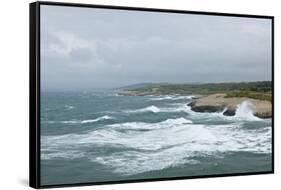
column 218, row 103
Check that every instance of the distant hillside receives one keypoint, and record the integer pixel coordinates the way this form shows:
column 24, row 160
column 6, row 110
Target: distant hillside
column 139, row 85
column 257, row 90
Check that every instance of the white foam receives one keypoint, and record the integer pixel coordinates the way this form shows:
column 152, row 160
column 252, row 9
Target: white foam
column 69, row 122
column 152, row 108
column 245, row 111
column 179, row 107
column 62, row 155
column 176, row 121
column 97, row 119
column 152, row 126
column 68, row 107
column 105, row 117
column 168, row 143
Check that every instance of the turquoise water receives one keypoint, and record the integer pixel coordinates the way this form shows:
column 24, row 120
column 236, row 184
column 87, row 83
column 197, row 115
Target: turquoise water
column 95, row 136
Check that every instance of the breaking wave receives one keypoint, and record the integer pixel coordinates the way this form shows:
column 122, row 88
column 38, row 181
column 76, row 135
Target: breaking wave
column 178, row 108
column 245, row 111
column 105, row 117
column 68, row 107
column 151, row 126
column 137, row 147
column 152, row 108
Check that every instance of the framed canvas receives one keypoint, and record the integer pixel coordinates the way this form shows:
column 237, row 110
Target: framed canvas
column 127, row 94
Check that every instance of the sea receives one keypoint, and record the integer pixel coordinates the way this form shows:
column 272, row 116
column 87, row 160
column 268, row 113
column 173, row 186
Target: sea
column 100, row 136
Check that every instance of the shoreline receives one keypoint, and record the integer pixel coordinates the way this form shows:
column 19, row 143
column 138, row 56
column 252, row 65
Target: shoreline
column 218, row 103
column 215, row 97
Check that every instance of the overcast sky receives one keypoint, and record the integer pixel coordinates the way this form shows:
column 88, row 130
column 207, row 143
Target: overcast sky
column 86, row 48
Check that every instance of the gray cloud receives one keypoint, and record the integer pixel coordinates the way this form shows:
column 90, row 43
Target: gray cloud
column 83, row 48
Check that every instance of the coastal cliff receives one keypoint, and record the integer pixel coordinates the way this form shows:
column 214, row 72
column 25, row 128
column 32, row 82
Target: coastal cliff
column 219, row 103
column 215, row 97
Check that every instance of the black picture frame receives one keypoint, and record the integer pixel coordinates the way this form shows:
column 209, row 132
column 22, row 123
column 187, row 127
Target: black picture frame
column 34, row 90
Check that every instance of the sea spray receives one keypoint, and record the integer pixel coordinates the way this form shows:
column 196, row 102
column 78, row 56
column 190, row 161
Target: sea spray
column 245, row 111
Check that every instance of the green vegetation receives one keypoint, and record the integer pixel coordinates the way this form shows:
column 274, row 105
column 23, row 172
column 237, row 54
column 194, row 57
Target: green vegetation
column 261, row 90
column 250, row 94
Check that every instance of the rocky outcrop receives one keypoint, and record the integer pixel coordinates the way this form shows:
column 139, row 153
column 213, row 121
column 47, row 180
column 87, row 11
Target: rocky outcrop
column 212, row 109
column 207, row 108
column 263, row 115
column 218, row 103
column 229, row 112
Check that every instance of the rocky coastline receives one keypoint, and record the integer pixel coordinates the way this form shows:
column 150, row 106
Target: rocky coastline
column 219, row 103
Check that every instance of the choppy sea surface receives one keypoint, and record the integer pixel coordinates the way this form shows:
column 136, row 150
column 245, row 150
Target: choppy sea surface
column 96, row 136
